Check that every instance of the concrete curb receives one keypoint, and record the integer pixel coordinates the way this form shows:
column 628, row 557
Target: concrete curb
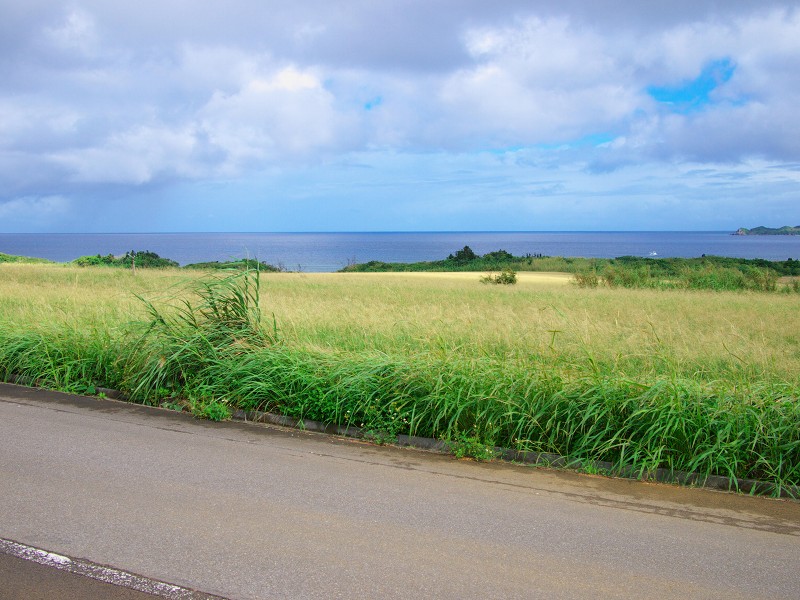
column 542, row 459
column 102, row 573
column 716, row 482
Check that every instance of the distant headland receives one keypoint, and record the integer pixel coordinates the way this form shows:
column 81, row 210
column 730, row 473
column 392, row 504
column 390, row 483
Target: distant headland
column 785, row 230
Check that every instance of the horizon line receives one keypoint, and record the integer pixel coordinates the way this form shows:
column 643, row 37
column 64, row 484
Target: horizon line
column 420, row 231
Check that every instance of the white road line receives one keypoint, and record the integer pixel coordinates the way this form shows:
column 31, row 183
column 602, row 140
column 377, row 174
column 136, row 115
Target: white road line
column 100, row 573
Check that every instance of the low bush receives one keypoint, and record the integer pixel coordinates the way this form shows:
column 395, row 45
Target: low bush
column 140, row 259
column 213, row 409
column 242, row 265
column 505, row 277
column 587, row 279
column 13, row 258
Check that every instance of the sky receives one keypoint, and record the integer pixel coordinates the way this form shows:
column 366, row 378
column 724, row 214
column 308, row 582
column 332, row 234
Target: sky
column 404, row 115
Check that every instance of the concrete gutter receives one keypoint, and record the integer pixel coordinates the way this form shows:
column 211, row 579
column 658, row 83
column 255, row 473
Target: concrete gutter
column 542, row 459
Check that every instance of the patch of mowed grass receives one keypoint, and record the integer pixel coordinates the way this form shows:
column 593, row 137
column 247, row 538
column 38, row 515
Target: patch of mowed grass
column 694, row 381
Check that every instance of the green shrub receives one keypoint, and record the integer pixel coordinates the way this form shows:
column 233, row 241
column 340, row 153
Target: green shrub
column 587, row 279
column 212, row 409
column 506, row 277
column 471, row 446
column 463, row 256
column 626, row 276
column 761, row 280
column 241, row 264
column 141, row 258
column 94, row 261
column 13, row 258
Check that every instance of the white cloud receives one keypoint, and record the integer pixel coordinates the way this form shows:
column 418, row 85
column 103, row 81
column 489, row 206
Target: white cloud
column 200, row 68
column 34, row 208
column 540, row 81
column 76, row 33
column 26, row 120
column 273, row 117
column 136, row 156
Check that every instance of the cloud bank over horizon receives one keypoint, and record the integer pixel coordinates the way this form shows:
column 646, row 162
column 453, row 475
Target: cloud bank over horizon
column 412, row 115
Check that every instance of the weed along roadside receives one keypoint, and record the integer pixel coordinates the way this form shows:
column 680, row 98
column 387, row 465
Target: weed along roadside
column 549, row 396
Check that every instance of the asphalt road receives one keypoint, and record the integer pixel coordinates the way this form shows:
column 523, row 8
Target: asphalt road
column 249, row 511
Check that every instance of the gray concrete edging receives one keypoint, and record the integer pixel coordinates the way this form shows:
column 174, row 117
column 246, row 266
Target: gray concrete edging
column 716, row 482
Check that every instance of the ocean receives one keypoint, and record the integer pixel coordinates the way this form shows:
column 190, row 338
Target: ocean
column 325, row 252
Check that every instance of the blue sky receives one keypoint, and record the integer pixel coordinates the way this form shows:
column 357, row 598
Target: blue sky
column 697, row 94
column 412, row 115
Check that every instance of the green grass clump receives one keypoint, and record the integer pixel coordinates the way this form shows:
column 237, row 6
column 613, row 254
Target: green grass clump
column 506, row 277
column 66, row 359
column 220, row 318
column 12, row 258
column 131, row 259
column 697, row 277
column 242, row 264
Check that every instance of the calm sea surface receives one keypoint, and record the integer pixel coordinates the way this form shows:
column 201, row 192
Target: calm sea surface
column 320, row 252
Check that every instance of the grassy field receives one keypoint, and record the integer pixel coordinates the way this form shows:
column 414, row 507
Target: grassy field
column 691, row 380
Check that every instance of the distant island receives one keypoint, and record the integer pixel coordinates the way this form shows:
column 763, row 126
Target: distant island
column 785, row 230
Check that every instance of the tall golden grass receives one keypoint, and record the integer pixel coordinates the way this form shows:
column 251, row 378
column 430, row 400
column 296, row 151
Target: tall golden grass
column 544, row 319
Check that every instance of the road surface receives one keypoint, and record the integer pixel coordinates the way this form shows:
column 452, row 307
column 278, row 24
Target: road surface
column 250, row 511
